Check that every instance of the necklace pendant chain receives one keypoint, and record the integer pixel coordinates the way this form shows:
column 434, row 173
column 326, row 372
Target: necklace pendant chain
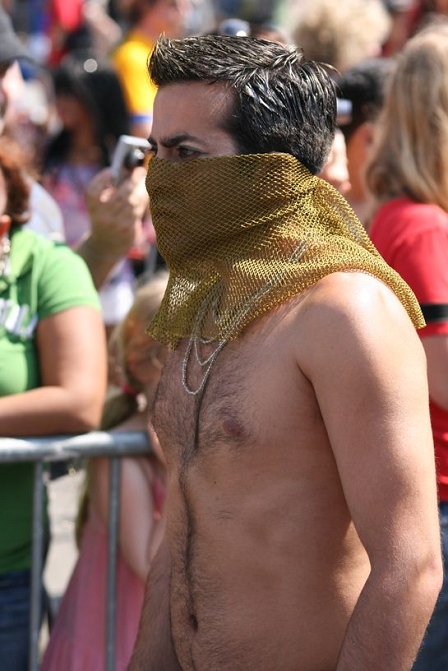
column 207, row 363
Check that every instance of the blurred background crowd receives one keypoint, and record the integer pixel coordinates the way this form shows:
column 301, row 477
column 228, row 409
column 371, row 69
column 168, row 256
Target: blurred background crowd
column 87, row 84
column 73, row 79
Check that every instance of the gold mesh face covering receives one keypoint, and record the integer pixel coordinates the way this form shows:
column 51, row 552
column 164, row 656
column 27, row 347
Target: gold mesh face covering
column 242, row 234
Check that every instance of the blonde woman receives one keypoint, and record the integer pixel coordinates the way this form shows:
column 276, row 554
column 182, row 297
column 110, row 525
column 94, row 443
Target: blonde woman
column 340, row 33
column 408, row 175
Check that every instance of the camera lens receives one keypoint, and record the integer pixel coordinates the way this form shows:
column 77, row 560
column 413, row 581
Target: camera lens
column 134, row 158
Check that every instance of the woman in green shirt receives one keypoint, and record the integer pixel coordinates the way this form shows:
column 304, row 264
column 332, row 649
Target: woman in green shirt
column 52, row 378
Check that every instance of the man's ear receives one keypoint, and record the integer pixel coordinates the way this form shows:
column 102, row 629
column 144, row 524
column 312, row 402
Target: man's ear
column 5, row 224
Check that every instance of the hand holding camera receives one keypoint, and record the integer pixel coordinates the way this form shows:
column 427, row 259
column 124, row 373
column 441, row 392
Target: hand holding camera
column 129, row 153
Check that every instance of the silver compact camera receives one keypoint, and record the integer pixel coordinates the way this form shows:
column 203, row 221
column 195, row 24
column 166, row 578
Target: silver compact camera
column 129, row 153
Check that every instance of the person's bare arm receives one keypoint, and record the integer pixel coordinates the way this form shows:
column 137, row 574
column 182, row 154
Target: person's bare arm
column 154, row 649
column 137, row 523
column 436, row 349
column 116, row 221
column 367, row 367
column 72, row 358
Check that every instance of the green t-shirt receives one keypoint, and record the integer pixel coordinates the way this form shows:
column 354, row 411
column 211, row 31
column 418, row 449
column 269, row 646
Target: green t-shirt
column 45, row 278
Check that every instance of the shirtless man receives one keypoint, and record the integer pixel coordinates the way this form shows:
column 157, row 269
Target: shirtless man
column 302, row 529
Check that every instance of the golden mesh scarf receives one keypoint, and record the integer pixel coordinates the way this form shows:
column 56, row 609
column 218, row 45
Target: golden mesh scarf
column 242, row 234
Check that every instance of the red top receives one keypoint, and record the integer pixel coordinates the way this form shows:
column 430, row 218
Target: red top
column 413, row 239
column 64, row 17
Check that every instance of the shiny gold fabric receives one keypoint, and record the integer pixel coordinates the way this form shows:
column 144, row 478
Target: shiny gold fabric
column 242, row 234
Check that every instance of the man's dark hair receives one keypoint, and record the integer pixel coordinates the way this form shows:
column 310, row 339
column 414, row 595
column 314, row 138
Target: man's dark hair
column 363, row 86
column 283, row 101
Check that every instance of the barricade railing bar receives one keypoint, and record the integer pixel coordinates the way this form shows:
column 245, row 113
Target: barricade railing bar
column 65, row 448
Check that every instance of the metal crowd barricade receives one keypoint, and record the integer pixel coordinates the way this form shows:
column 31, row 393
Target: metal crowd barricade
column 63, row 448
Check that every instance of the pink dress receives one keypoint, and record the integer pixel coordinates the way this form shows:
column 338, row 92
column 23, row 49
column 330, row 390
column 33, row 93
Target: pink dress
column 77, row 641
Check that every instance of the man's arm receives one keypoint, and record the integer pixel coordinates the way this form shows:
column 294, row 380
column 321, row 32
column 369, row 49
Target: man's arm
column 116, row 221
column 154, row 650
column 367, row 367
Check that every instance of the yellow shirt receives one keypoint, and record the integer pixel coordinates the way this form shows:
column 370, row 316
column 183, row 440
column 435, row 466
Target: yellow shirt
column 130, row 62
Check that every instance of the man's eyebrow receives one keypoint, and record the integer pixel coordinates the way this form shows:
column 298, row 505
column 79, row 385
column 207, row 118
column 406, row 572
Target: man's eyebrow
column 174, row 140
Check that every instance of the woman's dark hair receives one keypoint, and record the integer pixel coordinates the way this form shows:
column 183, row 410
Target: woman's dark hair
column 283, row 101
column 16, row 183
column 95, row 85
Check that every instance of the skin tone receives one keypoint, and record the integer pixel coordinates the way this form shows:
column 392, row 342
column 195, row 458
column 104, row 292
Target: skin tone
column 4, row 77
column 358, row 149
column 5, row 220
column 139, row 541
column 441, row 6
column 302, row 528
column 115, row 211
column 140, row 476
column 71, row 396
column 12, row 88
column 190, row 131
column 116, row 214
column 76, row 118
column 335, row 171
column 435, row 346
column 72, row 356
column 165, row 16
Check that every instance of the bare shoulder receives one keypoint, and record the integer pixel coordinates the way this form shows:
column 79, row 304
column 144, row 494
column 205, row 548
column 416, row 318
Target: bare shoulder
column 353, row 314
column 354, row 293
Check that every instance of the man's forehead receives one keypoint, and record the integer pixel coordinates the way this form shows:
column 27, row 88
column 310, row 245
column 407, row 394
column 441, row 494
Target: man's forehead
column 188, row 107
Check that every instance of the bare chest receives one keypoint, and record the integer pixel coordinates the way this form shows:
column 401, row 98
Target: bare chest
column 253, row 396
column 221, row 412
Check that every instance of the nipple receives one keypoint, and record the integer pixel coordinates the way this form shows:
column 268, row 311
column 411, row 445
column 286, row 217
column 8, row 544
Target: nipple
column 232, row 428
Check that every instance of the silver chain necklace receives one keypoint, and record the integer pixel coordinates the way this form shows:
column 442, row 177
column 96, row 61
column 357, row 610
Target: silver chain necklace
column 196, row 340
column 205, row 364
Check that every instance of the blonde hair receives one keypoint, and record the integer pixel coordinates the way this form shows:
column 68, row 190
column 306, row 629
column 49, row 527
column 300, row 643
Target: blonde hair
column 410, row 155
column 341, row 33
column 120, row 403
column 129, row 335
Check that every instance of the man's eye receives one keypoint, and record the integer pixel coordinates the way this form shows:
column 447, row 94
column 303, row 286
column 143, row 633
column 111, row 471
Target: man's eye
column 187, row 152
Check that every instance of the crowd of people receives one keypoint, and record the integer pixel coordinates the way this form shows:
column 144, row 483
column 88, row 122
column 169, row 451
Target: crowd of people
column 266, row 294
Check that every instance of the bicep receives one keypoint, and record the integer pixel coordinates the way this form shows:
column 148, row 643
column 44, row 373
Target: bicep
column 72, row 351
column 72, row 357
column 369, row 375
